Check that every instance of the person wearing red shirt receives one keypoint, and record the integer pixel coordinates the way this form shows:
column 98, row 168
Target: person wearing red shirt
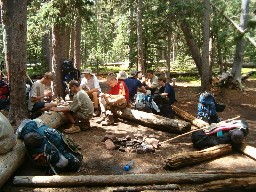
column 116, row 98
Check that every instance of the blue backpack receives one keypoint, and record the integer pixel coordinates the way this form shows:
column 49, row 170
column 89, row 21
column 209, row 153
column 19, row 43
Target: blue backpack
column 206, row 108
column 54, row 149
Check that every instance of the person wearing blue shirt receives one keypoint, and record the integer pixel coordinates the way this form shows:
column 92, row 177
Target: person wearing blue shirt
column 134, row 84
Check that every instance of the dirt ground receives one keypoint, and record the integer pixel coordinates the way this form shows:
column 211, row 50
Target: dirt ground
column 100, row 161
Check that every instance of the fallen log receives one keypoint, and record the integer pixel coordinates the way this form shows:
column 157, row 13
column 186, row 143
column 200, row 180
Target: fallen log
column 154, row 121
column 150, row 187
column 194, row 157
column 188, row 117
column 10, row 161
column 248, row 151
column 231, row 184
column 129, row 179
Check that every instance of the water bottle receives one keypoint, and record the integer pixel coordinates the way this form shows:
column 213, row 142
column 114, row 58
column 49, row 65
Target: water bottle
column 128, row 166
column 155, row 106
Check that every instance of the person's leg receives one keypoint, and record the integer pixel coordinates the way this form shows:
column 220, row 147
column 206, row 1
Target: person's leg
column 95, row 100
column 74, row 128
column 103, row 105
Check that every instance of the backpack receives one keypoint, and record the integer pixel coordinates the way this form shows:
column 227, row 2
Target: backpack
column 4, row 95
column 55, row 149
column 206, row 108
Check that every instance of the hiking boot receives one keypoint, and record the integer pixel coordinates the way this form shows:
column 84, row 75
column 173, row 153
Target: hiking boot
column 102, row 118
column 109, row 120
column 84, row 125
column 72, row 129
column 96, row 112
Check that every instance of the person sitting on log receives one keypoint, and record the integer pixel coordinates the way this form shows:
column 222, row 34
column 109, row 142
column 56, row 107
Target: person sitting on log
column 134, row 85
column 40, row 98
column 80, row 111
column 91, row 85
column 151, row 82
column 163, row 98
column 116, row 98
column 7, row 136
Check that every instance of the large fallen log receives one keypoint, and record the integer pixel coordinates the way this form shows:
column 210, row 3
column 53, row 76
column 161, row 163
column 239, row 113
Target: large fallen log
column 194, row 157
column 188, row 117
column 248, row 151
column 232, row 184
column 129, row 179
column 149, row 187
column 10, row 161
column 155, row 121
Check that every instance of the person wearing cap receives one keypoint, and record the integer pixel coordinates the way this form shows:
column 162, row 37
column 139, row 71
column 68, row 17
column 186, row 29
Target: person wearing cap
column 90, row 84
column 40, row 97
column 133, row 84
column 80, row 111
column 151, row 82
column 117, row 97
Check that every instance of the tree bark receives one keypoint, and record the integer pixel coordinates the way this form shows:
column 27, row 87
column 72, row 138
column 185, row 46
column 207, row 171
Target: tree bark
column 14, row 19
column 139, row 37
column 239, row 53
column 155, row 121
column 205, row 77
column 128, row 179
column 77, row 43
column 194, row 157
column 232, row 184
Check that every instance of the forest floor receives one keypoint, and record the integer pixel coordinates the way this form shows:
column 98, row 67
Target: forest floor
column 100, row 161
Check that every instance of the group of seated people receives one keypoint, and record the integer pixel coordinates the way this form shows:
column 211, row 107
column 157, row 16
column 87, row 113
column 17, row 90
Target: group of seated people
column 89, row 101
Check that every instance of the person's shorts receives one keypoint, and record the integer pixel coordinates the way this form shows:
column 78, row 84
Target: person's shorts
column 37, row 106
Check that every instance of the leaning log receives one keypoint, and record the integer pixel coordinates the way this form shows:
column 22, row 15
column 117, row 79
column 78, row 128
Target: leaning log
column 155, row 121
column 232, row 184
column 188, row 117
column 248, row 151
column 129, row 179
column 11, row 161
column 194, row 157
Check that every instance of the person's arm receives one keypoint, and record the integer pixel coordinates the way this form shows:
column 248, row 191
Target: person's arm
column 60, row 109
column 46, row 94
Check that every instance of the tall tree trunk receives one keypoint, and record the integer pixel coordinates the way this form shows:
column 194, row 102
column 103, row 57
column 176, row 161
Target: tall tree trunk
column 67, row 42
column 77, row 43
column 58, row 38
column 46, row 50
column 205, row 78
column 141, row 66
column 239, row 53
column 195, row 51
column 131, row 31
column 72, row 37
column 14, row 19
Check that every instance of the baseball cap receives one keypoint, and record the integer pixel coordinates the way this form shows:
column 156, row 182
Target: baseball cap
column 122, row 75
column 133, row 73
column 87, row 70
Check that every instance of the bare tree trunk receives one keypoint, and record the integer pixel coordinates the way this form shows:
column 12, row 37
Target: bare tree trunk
column 14, row 18
column 239, row 53
column 205, row 78
column 72, row 37
column 46, row 50
column 195, row 51
column 67, row 42
column 58, row 38
column 131, row 31
column 141, row 66
column 77, row 43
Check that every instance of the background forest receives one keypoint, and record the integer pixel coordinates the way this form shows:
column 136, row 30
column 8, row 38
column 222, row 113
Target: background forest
column 168, row 35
